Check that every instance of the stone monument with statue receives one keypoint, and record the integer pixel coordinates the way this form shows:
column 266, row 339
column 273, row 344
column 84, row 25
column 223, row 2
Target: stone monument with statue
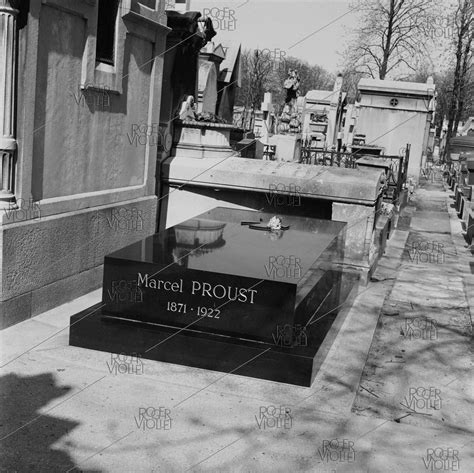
column 199, row 131
column 288, row 138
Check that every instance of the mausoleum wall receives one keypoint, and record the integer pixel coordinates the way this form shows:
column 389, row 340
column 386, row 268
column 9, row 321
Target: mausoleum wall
column 393, row 129
column 88, row 134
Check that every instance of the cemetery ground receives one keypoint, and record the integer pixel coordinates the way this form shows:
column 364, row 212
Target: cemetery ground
column 394, row 394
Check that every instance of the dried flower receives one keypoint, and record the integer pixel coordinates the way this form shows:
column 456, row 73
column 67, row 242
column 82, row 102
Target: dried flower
column 387, row 209
column 274, row 223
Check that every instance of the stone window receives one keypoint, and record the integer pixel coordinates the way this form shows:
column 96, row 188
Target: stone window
column 106, row 30
column 109, row 23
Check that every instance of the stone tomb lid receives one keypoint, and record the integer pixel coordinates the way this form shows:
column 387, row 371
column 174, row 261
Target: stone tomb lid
column 216, row 241
column 374, row 161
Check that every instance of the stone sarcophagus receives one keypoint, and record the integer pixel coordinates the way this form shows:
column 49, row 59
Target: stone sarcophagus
column 199, row 139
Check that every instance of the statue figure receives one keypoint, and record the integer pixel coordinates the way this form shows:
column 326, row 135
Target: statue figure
column 206, row 30
column 292, row 85
column 290, row 120
column 187, row 109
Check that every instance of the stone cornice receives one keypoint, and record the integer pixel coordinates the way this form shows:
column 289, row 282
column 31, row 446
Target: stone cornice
column 10, row 6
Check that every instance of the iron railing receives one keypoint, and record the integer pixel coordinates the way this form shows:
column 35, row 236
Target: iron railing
column 311, row 155
column 396, row 174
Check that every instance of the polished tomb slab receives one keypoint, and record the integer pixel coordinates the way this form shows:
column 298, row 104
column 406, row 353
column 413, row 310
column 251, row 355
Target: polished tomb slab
column 222, row 292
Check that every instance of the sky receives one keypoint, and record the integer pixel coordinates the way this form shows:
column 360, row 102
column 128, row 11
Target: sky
column 312, row 30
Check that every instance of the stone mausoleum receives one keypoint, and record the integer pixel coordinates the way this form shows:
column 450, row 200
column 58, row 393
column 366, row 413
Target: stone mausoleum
column 323, row 115
column 392, row 113
column 81, row 90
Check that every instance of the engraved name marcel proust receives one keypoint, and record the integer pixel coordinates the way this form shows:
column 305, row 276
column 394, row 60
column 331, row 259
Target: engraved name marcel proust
column 213, row 295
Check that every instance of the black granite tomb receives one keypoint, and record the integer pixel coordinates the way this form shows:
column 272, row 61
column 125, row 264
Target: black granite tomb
column 223, row 292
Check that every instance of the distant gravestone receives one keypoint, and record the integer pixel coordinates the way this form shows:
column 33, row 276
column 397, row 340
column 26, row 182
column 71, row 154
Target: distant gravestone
column 207, row 88
column 267, row 109
column 210, row 59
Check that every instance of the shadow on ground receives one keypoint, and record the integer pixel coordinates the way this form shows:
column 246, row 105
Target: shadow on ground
column 27, row 432
column 418, row 363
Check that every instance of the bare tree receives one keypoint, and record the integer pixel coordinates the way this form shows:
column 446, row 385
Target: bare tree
column 256, row 78
column 444, row 86
column 313, row 77
column 263, row 72
column 256, row 75
column 350, row 82
column 391, row 35
column 462, row 82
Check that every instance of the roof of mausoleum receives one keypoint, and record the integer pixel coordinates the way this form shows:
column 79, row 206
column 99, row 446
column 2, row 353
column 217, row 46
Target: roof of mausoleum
column 323, row 96
column 393, row 87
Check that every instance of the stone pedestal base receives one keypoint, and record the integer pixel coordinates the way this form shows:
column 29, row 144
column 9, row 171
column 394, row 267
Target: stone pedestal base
column 298, row 365
column 288, row 147
column 202, row 140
